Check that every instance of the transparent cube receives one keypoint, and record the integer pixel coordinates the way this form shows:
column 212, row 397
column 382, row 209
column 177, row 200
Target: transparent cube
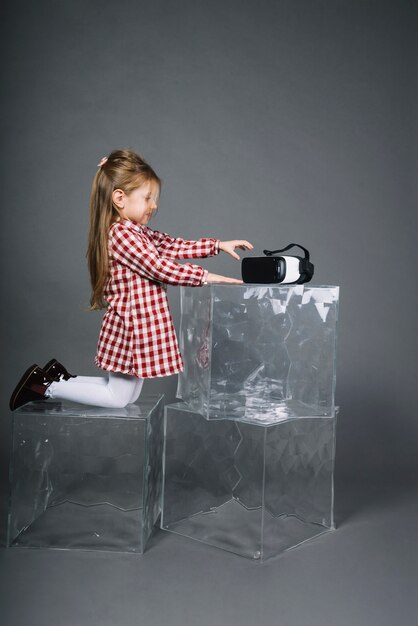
column 252, row 489
column 85, row 477
column 258, row 353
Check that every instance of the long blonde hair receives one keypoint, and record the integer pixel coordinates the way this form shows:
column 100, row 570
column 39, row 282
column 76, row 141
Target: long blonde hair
column 123, row 169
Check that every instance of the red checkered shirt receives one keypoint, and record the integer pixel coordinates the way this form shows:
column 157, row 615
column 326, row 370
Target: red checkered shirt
column 137, row 336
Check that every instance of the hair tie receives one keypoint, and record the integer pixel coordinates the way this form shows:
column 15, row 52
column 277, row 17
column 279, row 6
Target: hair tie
column 102, row 162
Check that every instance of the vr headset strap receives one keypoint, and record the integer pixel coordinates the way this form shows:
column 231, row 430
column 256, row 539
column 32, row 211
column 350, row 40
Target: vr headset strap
column 291, row 245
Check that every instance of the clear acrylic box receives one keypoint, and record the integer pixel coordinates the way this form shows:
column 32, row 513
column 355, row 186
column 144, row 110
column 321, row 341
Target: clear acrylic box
column 258, row 353
column 85, row 477
column 253, row 489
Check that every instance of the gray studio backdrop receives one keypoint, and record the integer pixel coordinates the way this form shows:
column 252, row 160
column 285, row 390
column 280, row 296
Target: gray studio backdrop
column 275, row 121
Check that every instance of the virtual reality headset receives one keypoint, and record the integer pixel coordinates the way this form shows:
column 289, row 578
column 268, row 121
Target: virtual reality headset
column 278, row 269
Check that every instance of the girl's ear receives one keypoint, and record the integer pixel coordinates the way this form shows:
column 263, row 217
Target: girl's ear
column 118, row 197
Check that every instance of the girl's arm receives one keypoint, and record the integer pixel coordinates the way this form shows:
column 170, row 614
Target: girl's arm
column 137, row 252
column 177, row 248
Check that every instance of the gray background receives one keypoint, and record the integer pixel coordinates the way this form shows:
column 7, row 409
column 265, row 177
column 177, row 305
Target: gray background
column 274, row 121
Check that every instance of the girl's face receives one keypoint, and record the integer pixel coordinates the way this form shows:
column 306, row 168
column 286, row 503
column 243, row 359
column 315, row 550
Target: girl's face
column 140, row 205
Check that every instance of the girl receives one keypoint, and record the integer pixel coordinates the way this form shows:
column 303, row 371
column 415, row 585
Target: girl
column 130, row 265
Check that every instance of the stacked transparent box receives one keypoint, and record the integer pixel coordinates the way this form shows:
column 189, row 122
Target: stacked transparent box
column 85, row 477
column 249, row 452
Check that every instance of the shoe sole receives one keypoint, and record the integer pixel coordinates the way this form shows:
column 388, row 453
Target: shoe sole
column 20, row 386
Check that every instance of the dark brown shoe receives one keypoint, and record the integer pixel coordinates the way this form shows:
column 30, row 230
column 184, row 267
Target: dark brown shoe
column 56, row 370
column 31, row 387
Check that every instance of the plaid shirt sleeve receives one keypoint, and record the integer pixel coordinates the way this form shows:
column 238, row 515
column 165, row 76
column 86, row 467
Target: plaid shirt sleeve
column 138, row 252
column 177, row 248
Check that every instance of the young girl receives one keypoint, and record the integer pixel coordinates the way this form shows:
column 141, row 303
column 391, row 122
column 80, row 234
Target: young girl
column 130, row 265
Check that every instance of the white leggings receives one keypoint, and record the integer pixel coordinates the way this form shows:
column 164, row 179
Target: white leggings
column 113, row 391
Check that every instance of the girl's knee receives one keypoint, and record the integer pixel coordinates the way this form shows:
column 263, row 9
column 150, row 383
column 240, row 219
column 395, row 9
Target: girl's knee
column 121, row 389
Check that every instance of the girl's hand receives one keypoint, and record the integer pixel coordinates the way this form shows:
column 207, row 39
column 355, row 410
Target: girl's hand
column 229, row 246
column 216, row 278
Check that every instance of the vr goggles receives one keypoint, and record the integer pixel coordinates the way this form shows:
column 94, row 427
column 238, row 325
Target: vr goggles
column 277, row 269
